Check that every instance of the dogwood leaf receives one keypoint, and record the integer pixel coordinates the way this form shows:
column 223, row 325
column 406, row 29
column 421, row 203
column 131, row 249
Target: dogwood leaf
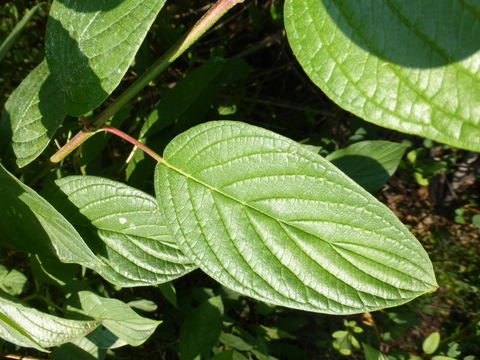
column 125, row 229
column 28, row 327
column 270, row 219
column 90, row 44
column 412, row 66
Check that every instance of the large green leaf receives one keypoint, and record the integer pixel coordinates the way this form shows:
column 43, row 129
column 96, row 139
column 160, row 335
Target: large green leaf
column 29, row 223
column 118, row 317
column 32, row 115
column 28, row 327
column 90, row 44
column 408, row 65
column 270, row 219
column 369, row 163
column 125, row 229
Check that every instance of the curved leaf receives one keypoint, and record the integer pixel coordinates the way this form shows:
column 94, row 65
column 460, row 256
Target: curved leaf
column 30, row 224
column 369, row 163
column 125, row 229
column 118, row 317
column 32, row 115
column 90, row 44
column 412, row 66
column 28, row 327
column 270, row 219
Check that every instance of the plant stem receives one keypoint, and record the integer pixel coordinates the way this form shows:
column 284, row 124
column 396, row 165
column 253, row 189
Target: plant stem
column 220, row 8
column 132, row 141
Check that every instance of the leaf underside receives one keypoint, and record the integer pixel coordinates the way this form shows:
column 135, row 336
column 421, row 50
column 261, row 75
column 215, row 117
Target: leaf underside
column 272, row 220
column 413, row 66
column 28, row 327
column 32, row 115
column 125, row 228
column 90, row 44
column 47, row 229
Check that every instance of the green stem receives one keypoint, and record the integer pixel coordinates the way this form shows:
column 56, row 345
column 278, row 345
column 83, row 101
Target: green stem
column 220, row 8
column 17, row 31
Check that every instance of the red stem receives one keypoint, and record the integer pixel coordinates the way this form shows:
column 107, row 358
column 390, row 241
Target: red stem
column 132, row 141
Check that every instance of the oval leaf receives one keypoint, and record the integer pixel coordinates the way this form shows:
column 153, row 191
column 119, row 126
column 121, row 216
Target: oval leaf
column 270, row 219
column 125, row 228
column 90, row 44
column 430, row 344
column 28, row 327
column 32, row 115
column 405, row 65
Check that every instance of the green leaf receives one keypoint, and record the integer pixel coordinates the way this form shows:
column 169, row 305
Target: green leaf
column 90, row 45
column 32, row 115
column 125, row 229
column 442, row 357
column 168, row 291
column 430, row 344
column 372, row 353
column 52, row 271
column 369, row 163
column 28, row 327
column 405, row 65
column 118, row 317
column 17, row 31
column 272, row 220
column 12, row 282
column 143, row 304
column 235, row 342
column 476, row 220
column 30, row 224
column 201, row 329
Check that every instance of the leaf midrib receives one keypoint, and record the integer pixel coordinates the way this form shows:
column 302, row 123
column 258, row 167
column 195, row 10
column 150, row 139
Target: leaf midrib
column 218, row 191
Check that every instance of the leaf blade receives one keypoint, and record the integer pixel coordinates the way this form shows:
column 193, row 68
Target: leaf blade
column 32, row 115
column 240, row 200
column 125, row 227
column 428, row 86
column 28, row 327
column 90, row 46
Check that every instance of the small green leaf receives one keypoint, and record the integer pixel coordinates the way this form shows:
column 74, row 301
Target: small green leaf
column 12, row 282
column 272, row 220
column 476, row 221
column 369, row 163
column 431, row 342
column 28, row 327
column 168, row 291
column 90, row 45
column 143, row 304
column 235, row 342
column 51, row 270
column 32, row 115
column 118, row 317
column 46, row 228
column 442, row 357
column 372, row 353
column 201, row 329
column 405, row 65
column 125, row 229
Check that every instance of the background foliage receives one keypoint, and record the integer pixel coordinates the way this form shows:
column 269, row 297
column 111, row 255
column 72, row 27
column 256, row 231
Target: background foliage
column 245, row 70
